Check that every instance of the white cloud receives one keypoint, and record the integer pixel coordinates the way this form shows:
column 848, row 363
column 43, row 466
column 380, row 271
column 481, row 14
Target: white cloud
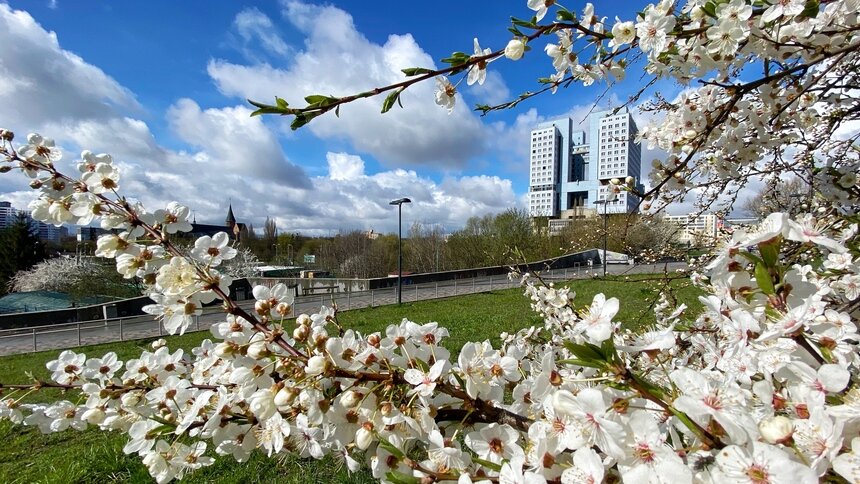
column 234, row 142
column 230, row 156
column 343, row 166
column 493, row 91
column 338, row 60
column 42, row 82
column 254, row 26
column 350, row 199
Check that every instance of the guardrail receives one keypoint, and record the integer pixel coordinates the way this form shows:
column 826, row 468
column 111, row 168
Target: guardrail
column 69, row 335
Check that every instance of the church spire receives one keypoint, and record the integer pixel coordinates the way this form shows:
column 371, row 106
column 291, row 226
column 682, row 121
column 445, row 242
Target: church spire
column 231, row 219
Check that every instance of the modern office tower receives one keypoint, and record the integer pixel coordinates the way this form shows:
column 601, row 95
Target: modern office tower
column 570, row 170
column 549, row 152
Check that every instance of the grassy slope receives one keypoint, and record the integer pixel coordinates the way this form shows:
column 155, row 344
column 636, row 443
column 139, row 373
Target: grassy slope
column 94, row 456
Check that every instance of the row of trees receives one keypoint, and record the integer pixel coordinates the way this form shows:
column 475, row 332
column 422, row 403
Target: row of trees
column 491, row 240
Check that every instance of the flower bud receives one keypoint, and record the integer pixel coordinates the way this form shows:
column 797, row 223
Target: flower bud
column 159, row 343
column 224, row 350
column 5, row 169
column 283, row 309
column 258, row 350
column 131, row 399
column 515, row 49
column 301, row 333
column 615, row 181
column 630, row 180
column 351, row 398
column 284, row 397
column 315, row 366
column 36, row 184
column 94, row 416
column 364, row 436
column 6, row 135
column 262, row 307
column 303, row 320
column 776, row 430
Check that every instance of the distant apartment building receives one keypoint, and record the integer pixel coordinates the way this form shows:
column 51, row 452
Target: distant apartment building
column 699, row 229
column 46, row 232
column 570, row 170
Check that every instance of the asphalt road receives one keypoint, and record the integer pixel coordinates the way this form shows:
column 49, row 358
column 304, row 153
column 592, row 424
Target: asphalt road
column 62, row 336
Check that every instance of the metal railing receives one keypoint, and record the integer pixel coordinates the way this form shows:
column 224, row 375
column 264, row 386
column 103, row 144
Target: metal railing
column 83, row 333
column 69, row 335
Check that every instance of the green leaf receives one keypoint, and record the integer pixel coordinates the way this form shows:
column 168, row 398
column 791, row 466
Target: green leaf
column 390, row 99
column 316, row 99
column 565, row 15
column 810, row 10
column 401, row 478
column 770, row 251
column 515, row 31
column 710, row 9
column 303, row 119
column 415, row 71
column 422, row 365
column 280, row 108
column 751, row 257
column 579, row 362
column 762, row 277
column 530, row 24
column 390, row 448
column 456, row 58
column 488, row 464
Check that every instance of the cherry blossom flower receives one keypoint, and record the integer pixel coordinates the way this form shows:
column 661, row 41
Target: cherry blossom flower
column 424, row 383
column 478, row 71
column 597, row 320
column 213, row 250
column 445, row 93
column 760, row 464
column 540, row 7
column 68, row 368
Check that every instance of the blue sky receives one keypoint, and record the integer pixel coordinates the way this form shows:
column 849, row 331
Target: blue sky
column 161, row 86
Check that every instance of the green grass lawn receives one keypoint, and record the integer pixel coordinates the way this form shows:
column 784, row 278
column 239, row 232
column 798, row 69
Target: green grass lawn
column 94, row 456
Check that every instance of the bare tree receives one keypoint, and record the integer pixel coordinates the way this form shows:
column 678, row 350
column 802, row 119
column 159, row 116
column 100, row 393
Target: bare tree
column 354, row 254
column 425, row 251
column 780, row 196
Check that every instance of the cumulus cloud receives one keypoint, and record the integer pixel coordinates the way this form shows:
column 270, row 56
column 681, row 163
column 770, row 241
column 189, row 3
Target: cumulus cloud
column 253, row 26
column 338, row 60
column 356, row 200
column 39, row 81
column 225, row 155
column 232, row 141
column 493, row 91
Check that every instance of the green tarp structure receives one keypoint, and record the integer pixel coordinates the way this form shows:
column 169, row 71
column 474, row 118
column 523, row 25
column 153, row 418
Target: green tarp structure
column 22, row 302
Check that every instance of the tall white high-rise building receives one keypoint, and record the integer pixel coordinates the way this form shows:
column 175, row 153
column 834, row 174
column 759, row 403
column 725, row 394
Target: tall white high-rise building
column 570, row 170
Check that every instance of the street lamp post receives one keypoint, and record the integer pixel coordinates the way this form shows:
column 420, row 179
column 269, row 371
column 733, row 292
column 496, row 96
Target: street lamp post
column 399, row 202
column 605, row 232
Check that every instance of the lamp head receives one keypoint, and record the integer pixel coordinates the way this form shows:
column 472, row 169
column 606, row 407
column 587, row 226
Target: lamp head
column 400, row 201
